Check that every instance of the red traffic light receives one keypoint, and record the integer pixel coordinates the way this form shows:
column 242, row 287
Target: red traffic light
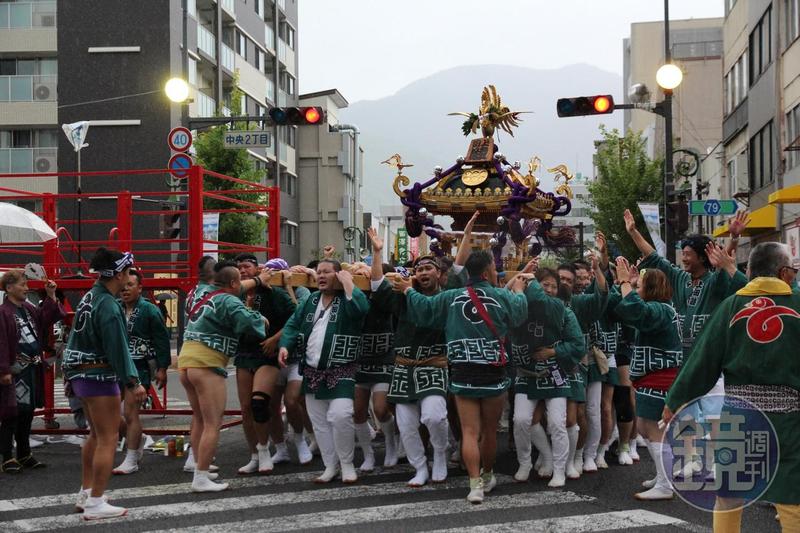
column 297, row 116
column 579, row 106
column 602, row 104
column 312, row 115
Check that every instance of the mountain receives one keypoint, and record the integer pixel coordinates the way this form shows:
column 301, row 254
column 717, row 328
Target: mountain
column 414, row 123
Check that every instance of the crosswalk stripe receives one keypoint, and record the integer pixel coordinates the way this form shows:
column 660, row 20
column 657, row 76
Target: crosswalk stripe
column 374, row 515
column 263, row 501
column 170, row 489
column 576, row 524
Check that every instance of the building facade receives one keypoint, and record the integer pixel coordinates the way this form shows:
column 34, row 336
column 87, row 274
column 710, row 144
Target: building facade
column 107, row 63
column 761, row 124
column 331, row 163
column 696, row 47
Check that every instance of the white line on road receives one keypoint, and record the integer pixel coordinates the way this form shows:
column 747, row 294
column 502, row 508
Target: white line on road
column 264, row 501
column 374, row 515
column 575, row 524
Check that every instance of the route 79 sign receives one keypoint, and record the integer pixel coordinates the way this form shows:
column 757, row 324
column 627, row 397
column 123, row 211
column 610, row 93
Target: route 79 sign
column 712, row 207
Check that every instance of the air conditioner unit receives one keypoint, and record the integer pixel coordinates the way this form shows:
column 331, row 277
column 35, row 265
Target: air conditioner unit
column 44, row 91
column 45, row 163
column 47, row 21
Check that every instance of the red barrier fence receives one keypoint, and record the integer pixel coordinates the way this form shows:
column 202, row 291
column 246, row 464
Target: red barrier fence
column 167, row 264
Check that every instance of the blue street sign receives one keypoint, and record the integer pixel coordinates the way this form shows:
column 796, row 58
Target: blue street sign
column 712, row 207
column 179, row 165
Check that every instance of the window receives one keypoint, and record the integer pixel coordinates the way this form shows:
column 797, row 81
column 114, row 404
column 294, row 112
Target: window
column 792, row 136
column 241, row 45
column 261, row 60
column 258, row 5
column 760, row 46
column 288, row 84
column 286, row 33
column 288, row 184
column 791, row 10
column 288, row 234
column 761, row 158
column 734, row 84
column 288, row 135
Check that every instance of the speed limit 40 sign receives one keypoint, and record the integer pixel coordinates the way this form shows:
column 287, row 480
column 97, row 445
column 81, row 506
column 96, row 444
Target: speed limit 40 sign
column 179, row 139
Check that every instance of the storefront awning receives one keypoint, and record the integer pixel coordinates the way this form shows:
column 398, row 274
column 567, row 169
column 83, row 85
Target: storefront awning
column 761, row 220
column 787, row 195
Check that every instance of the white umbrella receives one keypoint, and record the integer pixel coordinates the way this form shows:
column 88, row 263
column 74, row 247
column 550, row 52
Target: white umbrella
column 20, row 225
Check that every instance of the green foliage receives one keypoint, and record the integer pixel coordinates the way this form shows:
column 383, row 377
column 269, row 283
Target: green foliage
column 238, row 228
column 625, row 176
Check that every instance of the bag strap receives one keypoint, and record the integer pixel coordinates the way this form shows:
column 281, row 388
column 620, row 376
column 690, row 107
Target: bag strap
column 196, row 307
column 484, row 314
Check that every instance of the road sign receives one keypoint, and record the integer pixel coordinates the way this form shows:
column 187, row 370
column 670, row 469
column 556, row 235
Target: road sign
column 247, row 139
column 712, row 207
column 179, row 139
column 179, row 165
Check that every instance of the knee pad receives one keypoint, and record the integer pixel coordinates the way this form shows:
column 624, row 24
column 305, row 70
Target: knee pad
column 622, row 403
column 259, row 404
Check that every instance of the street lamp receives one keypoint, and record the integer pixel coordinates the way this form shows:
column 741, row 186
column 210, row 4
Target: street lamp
column 177, row 90
column 669, row 76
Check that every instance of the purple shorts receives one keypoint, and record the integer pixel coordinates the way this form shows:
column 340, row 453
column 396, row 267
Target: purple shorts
column 87, row 388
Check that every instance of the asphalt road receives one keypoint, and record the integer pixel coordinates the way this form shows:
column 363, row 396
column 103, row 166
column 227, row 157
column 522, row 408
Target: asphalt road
column 159, row 498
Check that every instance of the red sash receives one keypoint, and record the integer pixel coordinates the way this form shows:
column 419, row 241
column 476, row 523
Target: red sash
column 660, row 380
column 484, row 314
column 202, row 302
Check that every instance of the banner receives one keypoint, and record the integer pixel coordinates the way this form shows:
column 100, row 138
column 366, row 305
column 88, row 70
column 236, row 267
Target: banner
column 793, row 240
column 211, row 233
column 653, row 223
column 402, row 246
column 76, row 133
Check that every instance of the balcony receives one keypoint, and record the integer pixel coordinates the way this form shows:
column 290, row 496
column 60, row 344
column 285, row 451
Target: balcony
column 206, row 41
column 27, row 15
column 206, row 106
column 283, row 98
column 28, row 88
column 227, row 57
column 25, row 160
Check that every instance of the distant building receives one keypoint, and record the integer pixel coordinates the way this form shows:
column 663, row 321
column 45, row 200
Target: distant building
column 579, row 218
column 330, row 172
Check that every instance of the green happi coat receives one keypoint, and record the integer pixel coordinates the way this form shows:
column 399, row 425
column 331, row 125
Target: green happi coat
column 275, row 304
column 148, row 339
column 376, row 360
column 550, row 324
column 588, row 308
column 342, row 338
column 657, row 346
column 607, row 332
column 753, row 348
column 221, row 321
column 412, row 383
column 695, row 302
column 194, row 297
column 469, row 339
column 99, row 339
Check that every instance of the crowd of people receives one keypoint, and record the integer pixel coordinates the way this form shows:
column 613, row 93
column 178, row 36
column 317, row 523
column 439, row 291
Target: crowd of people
column 586, row 358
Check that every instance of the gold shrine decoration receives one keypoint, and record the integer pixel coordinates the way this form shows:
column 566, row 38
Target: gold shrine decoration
column 562, row 171
column 474, row 176
column 492, row 114
column 400, row 180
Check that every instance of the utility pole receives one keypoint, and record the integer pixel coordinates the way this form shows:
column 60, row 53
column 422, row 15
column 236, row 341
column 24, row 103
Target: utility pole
column 669, row 186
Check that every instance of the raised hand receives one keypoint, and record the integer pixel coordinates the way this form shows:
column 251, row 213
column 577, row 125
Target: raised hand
column 328, row 251
column 532, row 266
column 738, row 223
column 401, row 284
column 720, row 259
column 630, row 222
column 600, row 242
column 623, row 270
column 377, row 242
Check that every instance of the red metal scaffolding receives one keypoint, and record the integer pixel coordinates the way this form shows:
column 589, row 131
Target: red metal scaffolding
column 167, row 264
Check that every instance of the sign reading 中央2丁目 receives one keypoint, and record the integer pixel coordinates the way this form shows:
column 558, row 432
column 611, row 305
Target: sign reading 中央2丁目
column 247, row 139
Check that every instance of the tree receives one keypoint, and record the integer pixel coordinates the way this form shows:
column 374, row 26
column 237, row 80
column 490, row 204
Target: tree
column 238, row 228
column 625, row 176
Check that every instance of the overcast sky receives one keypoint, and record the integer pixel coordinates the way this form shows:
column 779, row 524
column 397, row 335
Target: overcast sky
column 369, row 49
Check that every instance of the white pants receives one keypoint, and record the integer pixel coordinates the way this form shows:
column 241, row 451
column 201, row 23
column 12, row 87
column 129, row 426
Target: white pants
column 594, row 395
column 556, row 424
column 333, row 428
column 431, row 411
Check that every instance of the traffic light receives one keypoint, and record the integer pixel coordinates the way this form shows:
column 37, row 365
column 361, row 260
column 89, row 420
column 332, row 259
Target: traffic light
column 579, row 106
column 297, row 116
column 678, row 216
